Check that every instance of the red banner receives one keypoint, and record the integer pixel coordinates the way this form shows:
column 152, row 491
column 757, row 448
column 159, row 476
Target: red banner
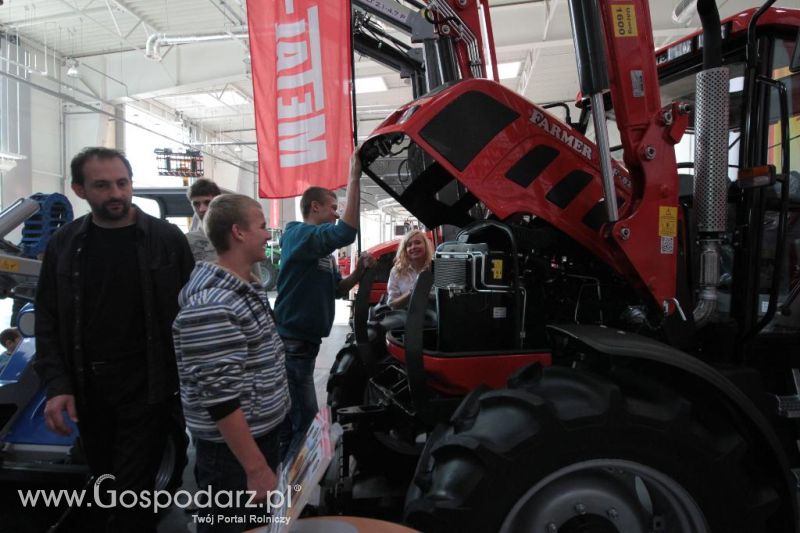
column 300, row 58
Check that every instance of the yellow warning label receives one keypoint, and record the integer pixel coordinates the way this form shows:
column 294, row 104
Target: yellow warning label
column 7, row 265
column 497, row 269
column 667, row 221
column 624, row 17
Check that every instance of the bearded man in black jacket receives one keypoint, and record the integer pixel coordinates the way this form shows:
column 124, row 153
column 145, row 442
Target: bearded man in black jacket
column 105, row 303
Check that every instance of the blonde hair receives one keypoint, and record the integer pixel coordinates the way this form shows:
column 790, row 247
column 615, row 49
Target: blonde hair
column 401, row 260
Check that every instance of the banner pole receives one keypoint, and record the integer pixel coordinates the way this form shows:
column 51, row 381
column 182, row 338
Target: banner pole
column 355, row 115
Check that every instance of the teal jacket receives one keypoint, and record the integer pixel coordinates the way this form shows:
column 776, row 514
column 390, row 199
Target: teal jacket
column 308, row 278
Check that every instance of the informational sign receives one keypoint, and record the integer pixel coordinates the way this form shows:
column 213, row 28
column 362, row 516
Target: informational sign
column 300, row 52
column 303, row 472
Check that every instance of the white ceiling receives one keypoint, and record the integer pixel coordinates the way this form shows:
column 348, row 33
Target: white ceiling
column 108, row 39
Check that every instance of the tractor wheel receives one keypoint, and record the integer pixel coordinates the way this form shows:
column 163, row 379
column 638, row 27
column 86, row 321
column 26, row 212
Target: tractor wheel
column 169, row 475
column 570, row 451
column 377, row 452
column 269, row 275
column 347, row 380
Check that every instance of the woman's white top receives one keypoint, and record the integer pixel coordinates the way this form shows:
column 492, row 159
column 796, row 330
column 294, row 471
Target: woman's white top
column 400, row 283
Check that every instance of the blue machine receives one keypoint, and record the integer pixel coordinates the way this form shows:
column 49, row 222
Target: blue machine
column 26, row 445
column 28, row 427
column 54, row 211
column 29, row 452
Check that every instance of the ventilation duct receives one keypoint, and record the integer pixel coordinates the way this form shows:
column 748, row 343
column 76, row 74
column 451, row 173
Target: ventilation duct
column 157, row 40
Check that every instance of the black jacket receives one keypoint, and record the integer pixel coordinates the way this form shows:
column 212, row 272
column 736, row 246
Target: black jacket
column 165, row 263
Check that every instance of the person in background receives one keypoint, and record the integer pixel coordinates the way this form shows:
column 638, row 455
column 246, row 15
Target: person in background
column 105, row 302
column 200, row 194
column 10, row 339
column 231, row 363
column 413, row 256
column 308, row 283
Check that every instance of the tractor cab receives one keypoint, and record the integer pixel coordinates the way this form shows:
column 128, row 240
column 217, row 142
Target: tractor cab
column 760, row 228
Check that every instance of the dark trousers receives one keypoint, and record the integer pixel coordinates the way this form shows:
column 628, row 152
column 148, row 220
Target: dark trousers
column 218, row 469
column 301, row 356
column 124, row 436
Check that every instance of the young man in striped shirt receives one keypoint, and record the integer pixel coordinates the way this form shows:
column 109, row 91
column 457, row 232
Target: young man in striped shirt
column 231, row 365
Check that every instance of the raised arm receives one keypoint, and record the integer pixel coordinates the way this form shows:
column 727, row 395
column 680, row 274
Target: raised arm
column 353, row 195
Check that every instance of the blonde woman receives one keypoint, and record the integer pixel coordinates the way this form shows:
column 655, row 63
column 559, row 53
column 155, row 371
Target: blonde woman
column 413, row 256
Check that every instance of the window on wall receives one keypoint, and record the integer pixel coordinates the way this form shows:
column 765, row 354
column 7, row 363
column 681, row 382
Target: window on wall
column 140, row 146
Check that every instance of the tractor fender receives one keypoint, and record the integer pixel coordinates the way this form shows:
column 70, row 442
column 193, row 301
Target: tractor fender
column 622, row 344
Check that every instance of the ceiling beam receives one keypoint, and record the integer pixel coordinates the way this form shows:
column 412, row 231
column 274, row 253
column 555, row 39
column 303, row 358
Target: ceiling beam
column 227, row 12
column 57, row 17
column 84, row 13
column 150, row 26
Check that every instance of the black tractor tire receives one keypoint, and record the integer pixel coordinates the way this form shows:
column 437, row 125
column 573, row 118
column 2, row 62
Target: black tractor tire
column 572, row 451
column 269, row 275
column 347, row 380
column 378, row 452
column 169, row 475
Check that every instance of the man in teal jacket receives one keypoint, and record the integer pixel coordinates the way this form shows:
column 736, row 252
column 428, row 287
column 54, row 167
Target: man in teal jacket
column 308, row 283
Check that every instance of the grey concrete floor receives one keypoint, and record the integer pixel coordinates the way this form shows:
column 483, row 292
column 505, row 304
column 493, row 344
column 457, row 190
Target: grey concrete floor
column 180, row 521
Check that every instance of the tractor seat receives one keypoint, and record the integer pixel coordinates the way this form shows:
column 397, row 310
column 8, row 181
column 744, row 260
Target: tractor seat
column 391, row 319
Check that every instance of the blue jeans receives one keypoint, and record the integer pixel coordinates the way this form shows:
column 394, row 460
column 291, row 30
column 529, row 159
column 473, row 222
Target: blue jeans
column 218, row 468
column 301, row 356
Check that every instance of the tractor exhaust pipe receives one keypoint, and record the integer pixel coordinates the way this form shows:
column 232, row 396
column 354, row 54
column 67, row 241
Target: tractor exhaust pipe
column 710, row 159
column 709, row 279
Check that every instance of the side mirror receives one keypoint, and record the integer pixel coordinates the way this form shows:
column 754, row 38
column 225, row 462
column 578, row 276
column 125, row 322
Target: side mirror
column 26, row 321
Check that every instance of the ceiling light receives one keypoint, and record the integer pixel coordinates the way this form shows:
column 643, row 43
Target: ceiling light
column 207, row 100
column 232, row 97
column 684, row 11
column 72, row 68
column 508, row 70
column 8, row 161
column 374, row 84
column 237, row 148
column 15, row 157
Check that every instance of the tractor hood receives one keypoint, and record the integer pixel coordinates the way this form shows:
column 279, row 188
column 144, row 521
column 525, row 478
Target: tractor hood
column 474, row 143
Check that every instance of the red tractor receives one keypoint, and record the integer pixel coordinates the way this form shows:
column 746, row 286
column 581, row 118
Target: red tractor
column 605, row 345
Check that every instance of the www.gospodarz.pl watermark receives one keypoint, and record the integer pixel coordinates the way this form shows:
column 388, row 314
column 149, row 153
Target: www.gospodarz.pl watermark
column 158, row 500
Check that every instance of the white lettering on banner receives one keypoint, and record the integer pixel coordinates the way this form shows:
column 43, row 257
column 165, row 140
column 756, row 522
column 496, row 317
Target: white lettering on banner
column 297, row 144
column 290, row 29
column 301, row 95
column 289, row 4
column 291, row 54
column 538, row 118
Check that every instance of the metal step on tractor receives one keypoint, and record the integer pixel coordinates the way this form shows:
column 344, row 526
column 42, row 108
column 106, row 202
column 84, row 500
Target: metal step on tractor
column 605, row 344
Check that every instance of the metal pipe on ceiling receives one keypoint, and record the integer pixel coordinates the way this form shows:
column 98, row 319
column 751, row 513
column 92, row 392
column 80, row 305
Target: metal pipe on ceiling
column 156, row 40
column 222, row 143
